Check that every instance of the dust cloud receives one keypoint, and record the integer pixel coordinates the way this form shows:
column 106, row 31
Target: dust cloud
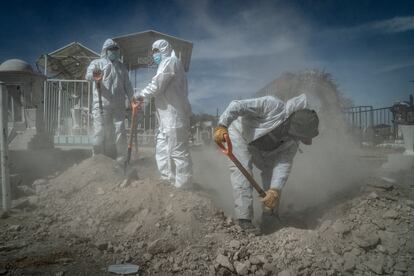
column 212, row 173
column 326, row 172
column 330, row 169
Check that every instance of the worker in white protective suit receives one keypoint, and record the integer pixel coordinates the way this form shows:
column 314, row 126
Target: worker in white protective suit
column 109, row 136
column 265, row 132
column 169, row 90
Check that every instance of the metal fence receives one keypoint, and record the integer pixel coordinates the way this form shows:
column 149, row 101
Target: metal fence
column 147, row 120
column 371, row 124
column 4, row 150
column 68, row 113
column 67, row 107
column 367, row 116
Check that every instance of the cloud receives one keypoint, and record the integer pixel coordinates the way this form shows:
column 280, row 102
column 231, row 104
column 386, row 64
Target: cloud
column 394, row 67
column 256, row 31
column 239, row 48
column 237, row 54
column 389, row 26
column 393, row 25
column 234, row 46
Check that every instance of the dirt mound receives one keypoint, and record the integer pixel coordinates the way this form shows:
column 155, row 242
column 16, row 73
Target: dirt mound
column 91, row 199
column 366, row 235
column 87, row 219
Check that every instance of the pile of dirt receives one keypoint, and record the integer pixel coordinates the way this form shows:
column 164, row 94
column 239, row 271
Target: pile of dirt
column 88, row 218
column 93, row 199
column 367, row 235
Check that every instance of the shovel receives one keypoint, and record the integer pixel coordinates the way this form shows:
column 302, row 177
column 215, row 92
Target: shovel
column 229, row 152
column 135, row 106
column 97, row 78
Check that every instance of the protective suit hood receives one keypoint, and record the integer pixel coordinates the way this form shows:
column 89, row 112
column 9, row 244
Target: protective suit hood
column 295, row 104
column 164, row 47
column 116, row 87
column 109, row 43
column 169, row 88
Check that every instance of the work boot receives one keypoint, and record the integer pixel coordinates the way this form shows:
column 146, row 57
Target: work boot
column 248, row 227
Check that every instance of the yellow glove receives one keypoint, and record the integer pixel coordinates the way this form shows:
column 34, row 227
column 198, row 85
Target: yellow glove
column 219, row 133
column 271, row 199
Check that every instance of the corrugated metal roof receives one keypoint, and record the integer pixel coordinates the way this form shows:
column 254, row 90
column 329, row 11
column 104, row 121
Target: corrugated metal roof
column 71, row 61
column 136, row 48
column 68, row 62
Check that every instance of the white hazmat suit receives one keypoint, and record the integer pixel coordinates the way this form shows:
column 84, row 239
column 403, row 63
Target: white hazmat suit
column 249, row 120
column 115, row 89
column 169, row 89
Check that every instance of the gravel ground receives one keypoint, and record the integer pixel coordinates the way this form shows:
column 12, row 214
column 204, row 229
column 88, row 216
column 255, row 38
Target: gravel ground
column 81, row 220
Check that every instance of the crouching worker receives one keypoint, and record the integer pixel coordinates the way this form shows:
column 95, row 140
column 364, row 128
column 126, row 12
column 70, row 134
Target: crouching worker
column 265, row 132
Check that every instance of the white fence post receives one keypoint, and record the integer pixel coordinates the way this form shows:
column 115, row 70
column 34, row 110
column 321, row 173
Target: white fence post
column 5, row 180
column 59, row 108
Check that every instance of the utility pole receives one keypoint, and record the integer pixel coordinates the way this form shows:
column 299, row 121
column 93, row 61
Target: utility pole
column 5, row 180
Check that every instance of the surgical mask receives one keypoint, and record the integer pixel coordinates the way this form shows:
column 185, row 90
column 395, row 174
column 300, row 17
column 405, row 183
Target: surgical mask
column 157, row 58
column 113, row 55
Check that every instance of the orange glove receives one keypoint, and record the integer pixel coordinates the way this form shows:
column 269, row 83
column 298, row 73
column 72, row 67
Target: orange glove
column 219, row 132
column 271, row 199
column 97, row 74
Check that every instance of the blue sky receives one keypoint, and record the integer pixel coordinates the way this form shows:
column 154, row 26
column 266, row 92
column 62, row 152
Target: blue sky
column 239, row 46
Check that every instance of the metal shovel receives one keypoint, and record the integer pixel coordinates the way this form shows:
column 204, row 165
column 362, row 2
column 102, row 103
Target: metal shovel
column 229, row 152
column 135, row 107
column 97, row 78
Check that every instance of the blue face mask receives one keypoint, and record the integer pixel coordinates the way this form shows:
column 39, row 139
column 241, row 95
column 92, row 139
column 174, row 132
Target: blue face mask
column 113, row 55
column 157, row 58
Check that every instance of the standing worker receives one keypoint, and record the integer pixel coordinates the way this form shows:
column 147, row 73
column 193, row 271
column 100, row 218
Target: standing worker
column 265, row 132
column 169, row 89
column 109, row 136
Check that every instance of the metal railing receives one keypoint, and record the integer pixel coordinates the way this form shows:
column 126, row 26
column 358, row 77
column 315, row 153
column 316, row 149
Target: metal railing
column 147, row 123
column 4, row 149
column 367, row 116
column 68, row 113
column 147, row 120
column 371, row 124
column 67, row 107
